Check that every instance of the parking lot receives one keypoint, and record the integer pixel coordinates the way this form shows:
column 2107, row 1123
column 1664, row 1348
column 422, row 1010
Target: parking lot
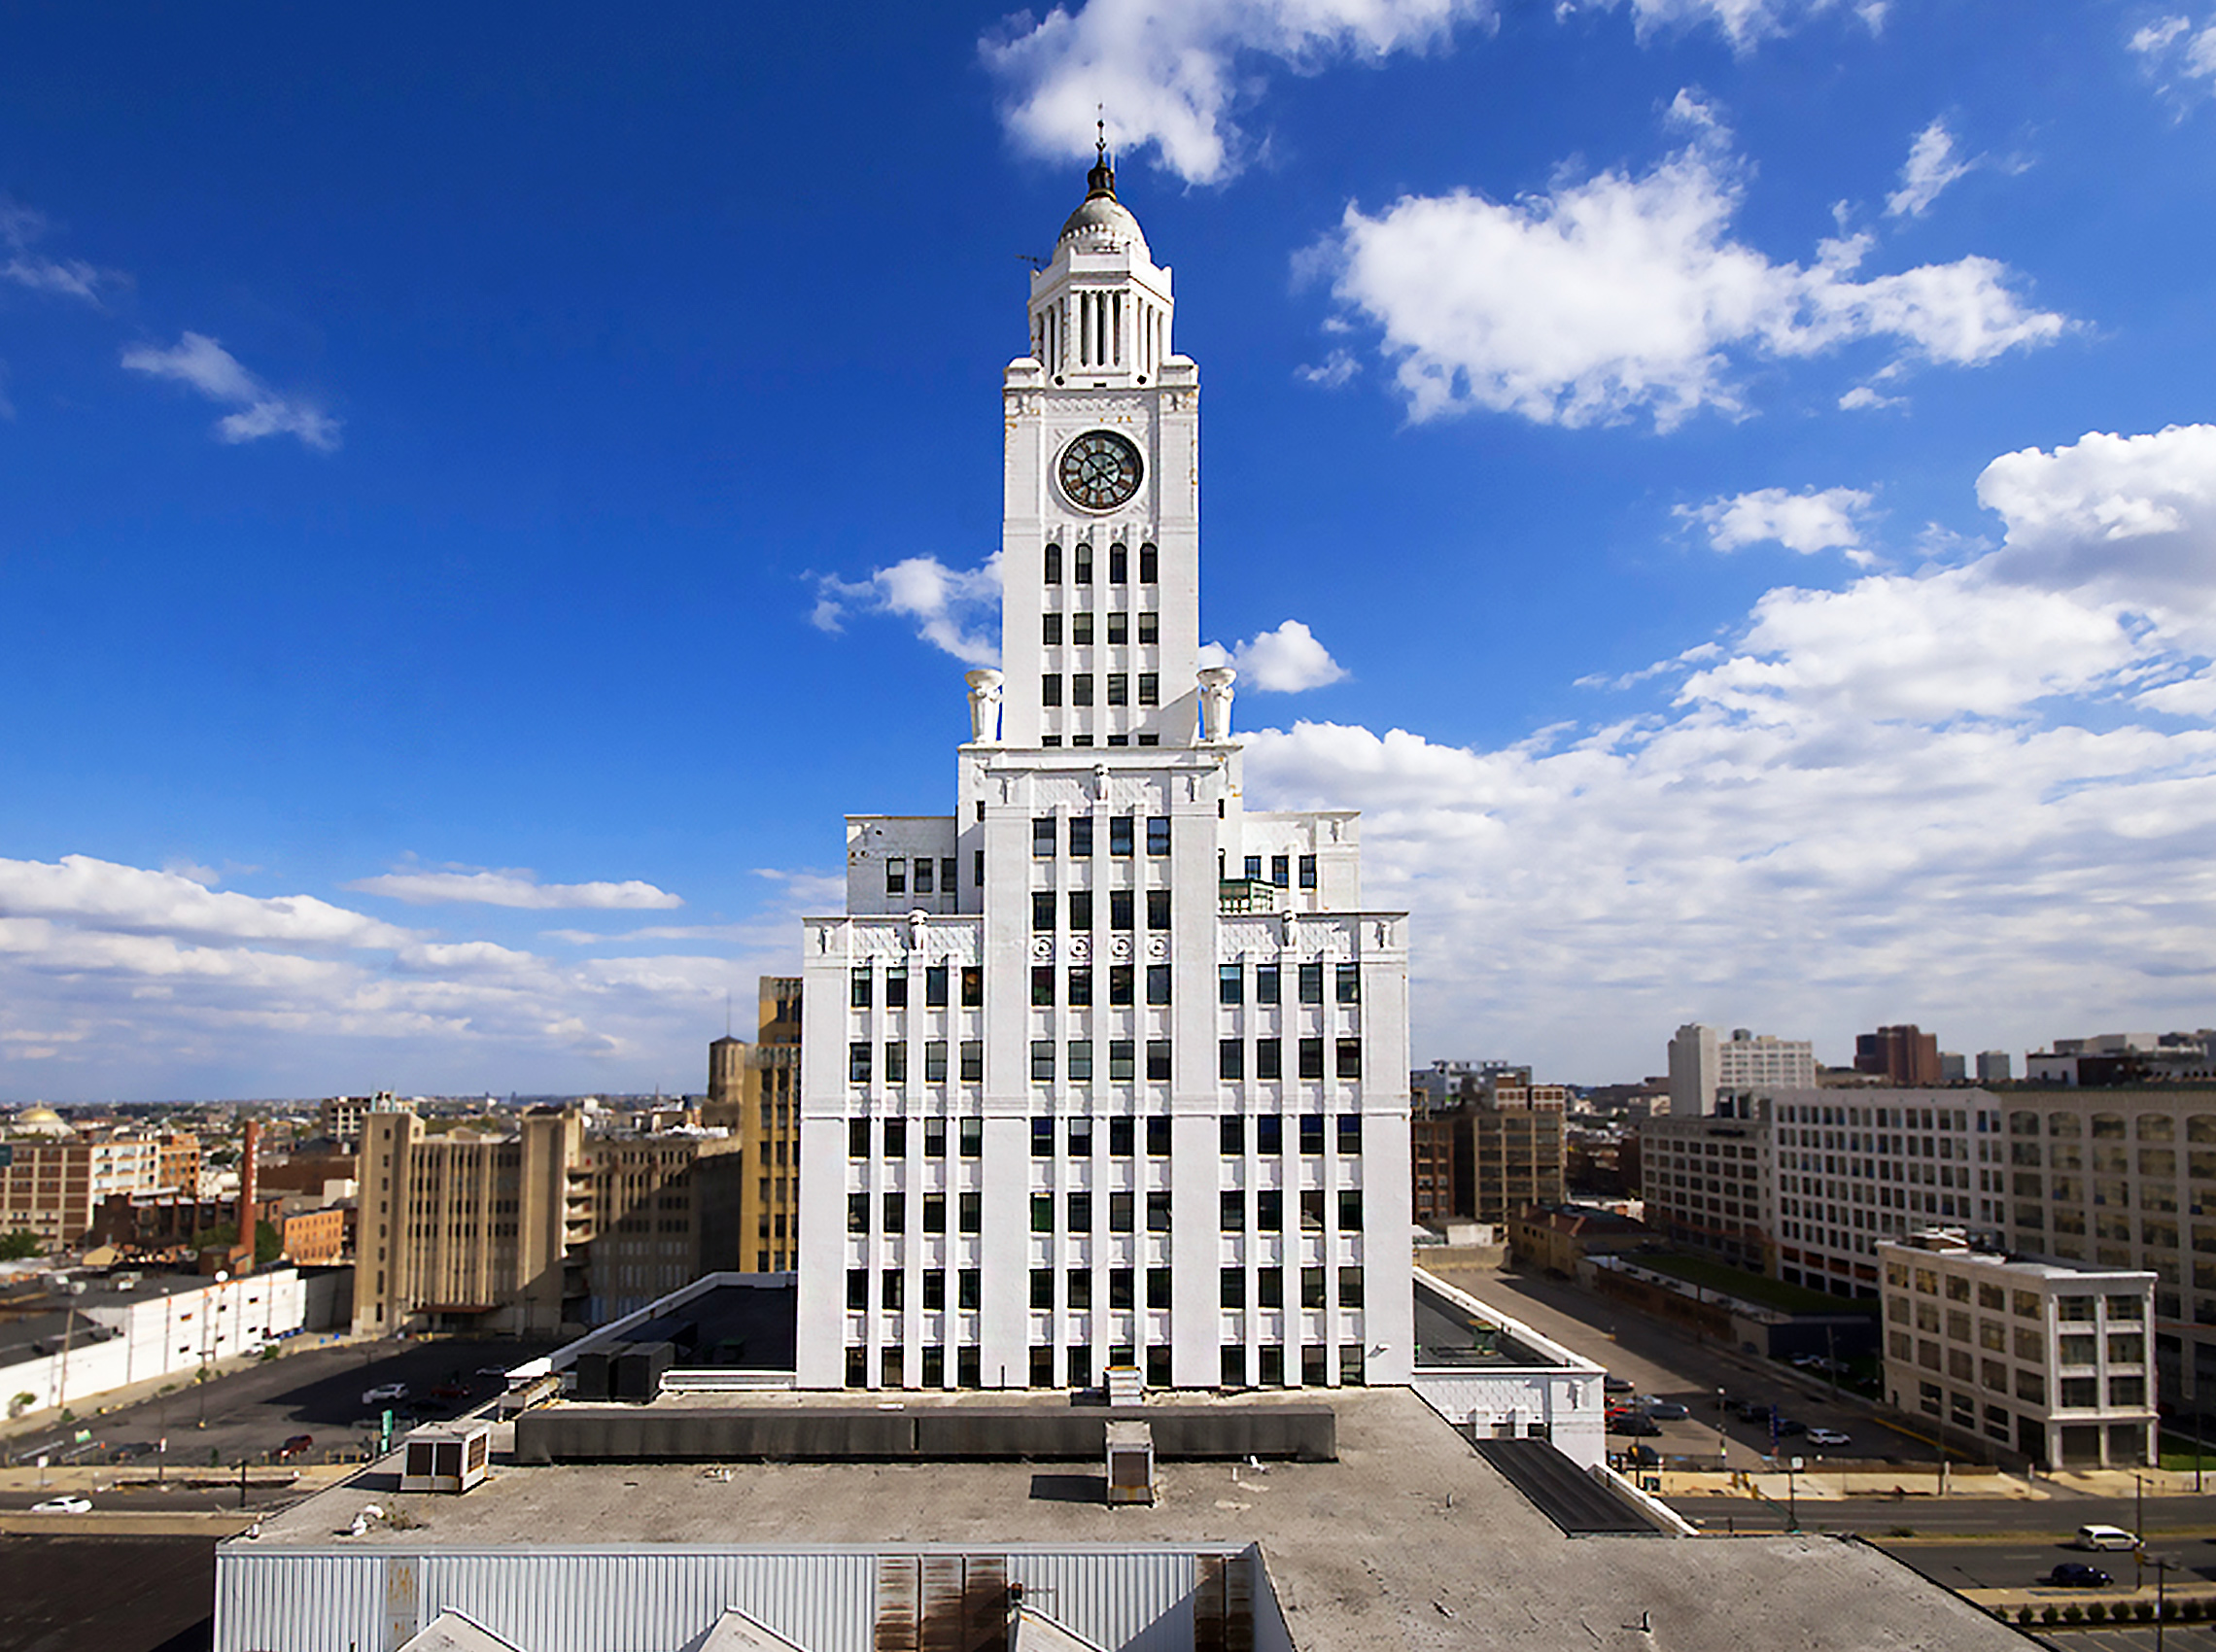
column 248, row 1416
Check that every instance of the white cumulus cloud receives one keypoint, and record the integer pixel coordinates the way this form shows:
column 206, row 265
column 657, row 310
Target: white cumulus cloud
column 1934, row 790
column 513, row 888
column 1621, row 294
column 2127, row 519
column 1806, row 522
column 102, row 895
column 1285, row 661
column 957, row 609
column 199, row 363
column 1931, row 166
column 1171, row 73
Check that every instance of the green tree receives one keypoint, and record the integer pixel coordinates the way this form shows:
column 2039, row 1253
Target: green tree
column 268, row 1244
column 17, row 1244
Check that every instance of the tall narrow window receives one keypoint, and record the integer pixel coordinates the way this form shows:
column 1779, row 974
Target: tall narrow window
column 1080, row 1061
column 1158, row 1060
column 896, row 987
column 1042, row 1061
column 1157, row 909
column 896, row 875
column 1349, row 983
column 1158, row 983
column 972, row 1069
column 896, row 1063
column 1150, row 569
column 973, row 987
column 1119, row 979
column 859, row 989
column 1043, row 836
column 858, row 1063
column 1119, row 1064
column 935, row 986
column 1119, row 564
column 1081, row 688
column 1269, row 1058
column 1307, row 872
column 1050, row 630
column 1042, row 986
column 1080, row 987
column 1311, row 1058
column 924, row 880
column 1149, row 627
column 1081, row 909
column 1081, row 629
column 935, row 1062
column 1350, row 1058
column 1081, row 836
column 1230, row 983
column 1118, row 628
column 1281, row 870
column 1312, row 983
column 1042, row 908
column 1119, row 835
column 1053, row 564
column 1231, row 1059
column 1150, row 688
column 1118, row 688
column 1157, row 835
column 1082, row 571
column 1265, row 983
column 1119, row 909
column 1050, row 688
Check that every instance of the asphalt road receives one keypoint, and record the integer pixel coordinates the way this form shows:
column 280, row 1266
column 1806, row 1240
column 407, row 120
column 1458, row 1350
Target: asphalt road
column 2006, row 1564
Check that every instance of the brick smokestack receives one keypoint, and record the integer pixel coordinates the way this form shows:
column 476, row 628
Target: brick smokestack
column 246, row 1186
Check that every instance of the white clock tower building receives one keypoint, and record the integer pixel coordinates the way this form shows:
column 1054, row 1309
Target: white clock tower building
column 1104, row 1069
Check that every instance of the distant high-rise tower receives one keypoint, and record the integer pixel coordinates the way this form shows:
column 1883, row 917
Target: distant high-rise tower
column 1904, row 1056
column 1104, row 1069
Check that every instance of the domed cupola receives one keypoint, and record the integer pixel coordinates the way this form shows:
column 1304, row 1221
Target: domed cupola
column 1100, row 309
column 1101, row 223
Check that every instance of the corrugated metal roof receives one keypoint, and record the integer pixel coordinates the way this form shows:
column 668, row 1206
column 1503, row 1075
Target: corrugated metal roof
column 645, row 1598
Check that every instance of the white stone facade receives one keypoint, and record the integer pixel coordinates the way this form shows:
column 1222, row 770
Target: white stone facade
column 1121, row 1079
column 2050, row 1358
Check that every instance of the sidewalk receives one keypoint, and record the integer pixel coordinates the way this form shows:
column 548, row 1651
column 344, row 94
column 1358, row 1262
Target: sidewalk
column 1921, row 1481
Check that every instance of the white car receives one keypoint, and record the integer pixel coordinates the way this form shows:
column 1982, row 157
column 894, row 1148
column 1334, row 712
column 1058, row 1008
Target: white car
column 2105, row 1538
column 384, row 1391
column 1828, row 1437
column 68, row 1504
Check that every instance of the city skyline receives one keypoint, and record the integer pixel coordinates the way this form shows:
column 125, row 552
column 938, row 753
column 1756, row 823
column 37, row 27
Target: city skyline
column 1720, row 486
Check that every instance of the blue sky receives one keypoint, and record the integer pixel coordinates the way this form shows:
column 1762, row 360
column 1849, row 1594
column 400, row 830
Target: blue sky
column 1723, row 484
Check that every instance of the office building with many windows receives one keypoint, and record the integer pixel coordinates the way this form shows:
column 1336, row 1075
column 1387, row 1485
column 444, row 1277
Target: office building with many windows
column 2050, row 1358
column 1104, row 1069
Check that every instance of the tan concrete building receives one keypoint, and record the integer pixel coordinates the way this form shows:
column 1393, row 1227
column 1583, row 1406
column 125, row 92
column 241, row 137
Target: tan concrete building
column 1486, row 1156
column 753, row 1089
column 470, row 1231
column 536, row 1229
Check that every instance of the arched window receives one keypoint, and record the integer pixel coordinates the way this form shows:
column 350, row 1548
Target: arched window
column 1054, row 563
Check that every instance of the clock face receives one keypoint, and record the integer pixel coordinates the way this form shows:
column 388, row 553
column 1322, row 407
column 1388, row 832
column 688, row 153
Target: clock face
column 1099, row 470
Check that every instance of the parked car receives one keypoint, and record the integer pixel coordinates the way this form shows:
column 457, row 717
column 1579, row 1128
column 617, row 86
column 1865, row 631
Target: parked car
column 450, row 1390
column 1642, row 1457
column 2104, row 1537
column 1751, row 1410
column 2076, row 1574
column 132, row 1450
column 295, row 1446
column 1614, row 1384
column 1634, row 1422
column 1828, row 1437
column 1788, row 1425
column 1663, row 1410
column 384, row 1391
column 69, row 1504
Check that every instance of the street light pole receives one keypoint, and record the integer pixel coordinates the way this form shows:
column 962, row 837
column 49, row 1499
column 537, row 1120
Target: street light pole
column 1722, row 1451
